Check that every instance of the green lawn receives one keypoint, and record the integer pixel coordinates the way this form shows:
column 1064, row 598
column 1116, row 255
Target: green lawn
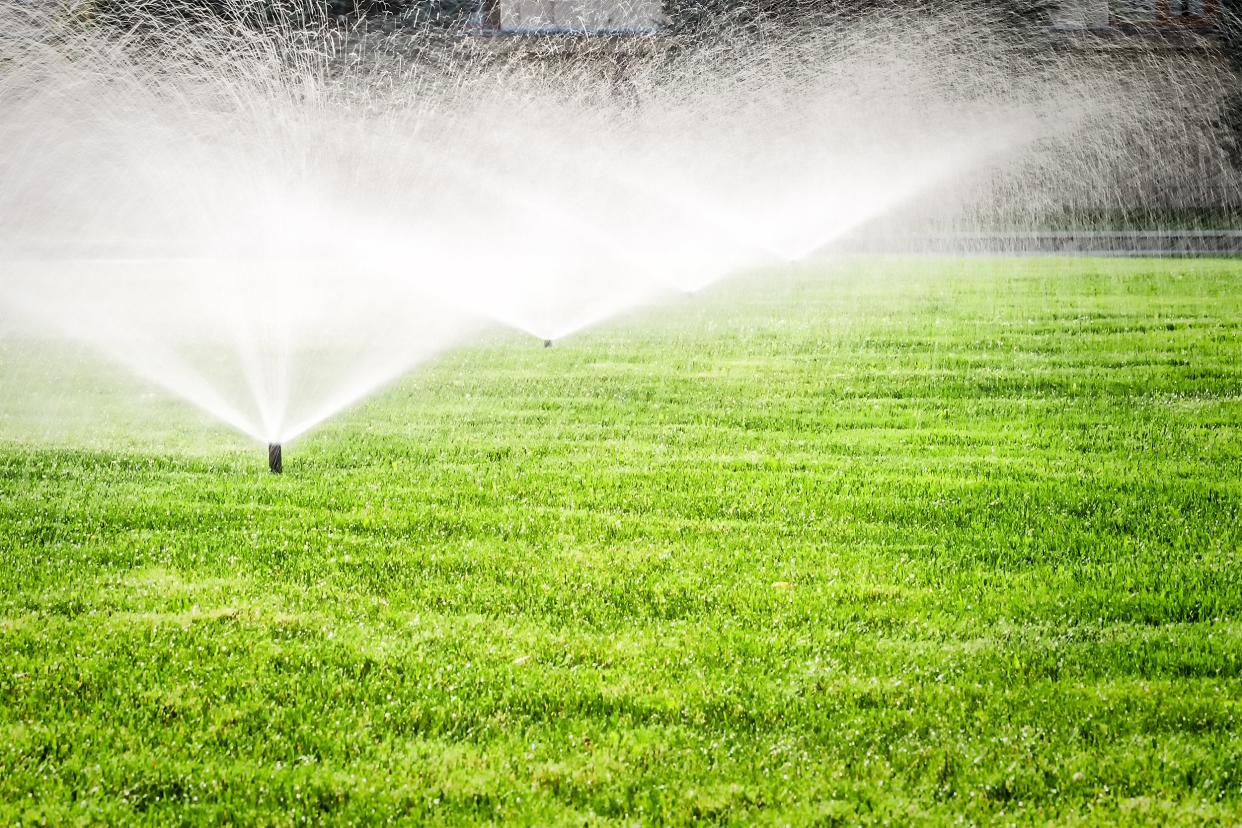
column 886, row 540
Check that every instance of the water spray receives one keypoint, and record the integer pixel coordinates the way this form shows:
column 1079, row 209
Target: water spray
column 733, row 151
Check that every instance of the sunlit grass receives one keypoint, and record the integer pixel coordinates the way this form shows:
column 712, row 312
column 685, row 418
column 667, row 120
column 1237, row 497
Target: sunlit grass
column 891, row 539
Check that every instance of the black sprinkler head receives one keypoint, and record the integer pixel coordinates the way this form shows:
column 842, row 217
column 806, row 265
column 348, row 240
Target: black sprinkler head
column 547, row 343
column 274, row 461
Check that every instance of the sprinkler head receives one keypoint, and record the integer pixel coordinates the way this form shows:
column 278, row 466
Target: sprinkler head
column 547, row 343
column 274, row 461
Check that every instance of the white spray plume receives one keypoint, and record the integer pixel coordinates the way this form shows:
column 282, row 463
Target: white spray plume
column 273, row 227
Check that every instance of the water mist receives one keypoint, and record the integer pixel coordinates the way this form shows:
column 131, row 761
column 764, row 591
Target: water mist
column 272, row 226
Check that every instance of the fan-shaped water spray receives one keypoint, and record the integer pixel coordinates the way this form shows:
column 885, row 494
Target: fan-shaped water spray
column 272, row 227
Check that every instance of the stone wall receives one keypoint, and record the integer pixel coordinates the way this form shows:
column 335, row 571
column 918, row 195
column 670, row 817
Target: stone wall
column 578, row 15
column 1095, row 14
column 1081, row 14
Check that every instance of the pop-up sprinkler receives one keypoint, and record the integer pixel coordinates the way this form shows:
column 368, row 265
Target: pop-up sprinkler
column 274, row 461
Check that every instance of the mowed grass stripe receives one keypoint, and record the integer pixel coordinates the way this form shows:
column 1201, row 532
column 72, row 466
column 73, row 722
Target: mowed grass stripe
column 887, row 539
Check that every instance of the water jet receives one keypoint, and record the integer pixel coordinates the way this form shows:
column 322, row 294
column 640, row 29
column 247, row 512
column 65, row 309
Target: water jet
column 271, row 172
